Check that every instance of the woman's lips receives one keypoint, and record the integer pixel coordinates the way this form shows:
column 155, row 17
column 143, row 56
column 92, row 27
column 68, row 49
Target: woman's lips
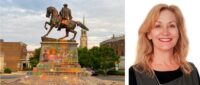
column 165, row 39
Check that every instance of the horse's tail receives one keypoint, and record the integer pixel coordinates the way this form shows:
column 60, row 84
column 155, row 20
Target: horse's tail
column 81, row 25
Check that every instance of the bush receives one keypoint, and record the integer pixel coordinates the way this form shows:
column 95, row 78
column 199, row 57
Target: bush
column 7, row 70
column 114, row 72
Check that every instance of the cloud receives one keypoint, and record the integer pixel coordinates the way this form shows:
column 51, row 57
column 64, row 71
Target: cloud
column 24, row 20
column 19, row 24
column 32, row 47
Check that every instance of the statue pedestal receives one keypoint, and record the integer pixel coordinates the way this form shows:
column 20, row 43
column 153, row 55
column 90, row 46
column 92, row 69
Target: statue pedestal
column 59, row 56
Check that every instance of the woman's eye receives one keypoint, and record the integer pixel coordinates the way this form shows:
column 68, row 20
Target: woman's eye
column 172, row 26
column 157, row 26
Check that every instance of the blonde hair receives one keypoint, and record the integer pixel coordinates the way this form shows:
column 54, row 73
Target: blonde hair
column 145, row 46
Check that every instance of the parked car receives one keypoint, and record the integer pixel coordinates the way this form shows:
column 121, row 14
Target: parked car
column 92, row 71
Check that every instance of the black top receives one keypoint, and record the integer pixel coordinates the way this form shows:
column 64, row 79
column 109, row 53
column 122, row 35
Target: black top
column 163, row 76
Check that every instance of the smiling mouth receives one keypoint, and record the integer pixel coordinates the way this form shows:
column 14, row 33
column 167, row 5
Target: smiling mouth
column 165, row 39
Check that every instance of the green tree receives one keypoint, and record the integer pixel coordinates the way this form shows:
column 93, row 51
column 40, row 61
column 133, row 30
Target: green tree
column 101, row 58
column 94, row 55
column 35, row 59
column 84, row 58
column 107, row 59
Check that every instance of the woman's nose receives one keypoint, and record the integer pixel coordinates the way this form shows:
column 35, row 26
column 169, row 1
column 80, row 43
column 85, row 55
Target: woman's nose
column 165, row 31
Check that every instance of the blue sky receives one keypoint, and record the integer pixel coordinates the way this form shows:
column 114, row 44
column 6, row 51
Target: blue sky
column 23, row 20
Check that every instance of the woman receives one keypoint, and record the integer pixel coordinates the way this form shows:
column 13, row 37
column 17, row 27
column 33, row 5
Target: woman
column 162, row 50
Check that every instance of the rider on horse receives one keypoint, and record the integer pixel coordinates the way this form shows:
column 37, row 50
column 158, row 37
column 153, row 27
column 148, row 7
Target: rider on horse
column 66, row 16
column 56, row 22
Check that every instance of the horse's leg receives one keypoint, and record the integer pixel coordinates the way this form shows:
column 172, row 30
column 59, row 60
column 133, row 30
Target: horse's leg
column 67, row 34
column 48, row 31
column 73, row 31
column 46, row 24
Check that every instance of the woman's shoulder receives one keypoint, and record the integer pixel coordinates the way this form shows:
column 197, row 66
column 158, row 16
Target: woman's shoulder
column 131, row 68
column 131, row 71
column 132, row 77
column 195, row 73
column 192, row 65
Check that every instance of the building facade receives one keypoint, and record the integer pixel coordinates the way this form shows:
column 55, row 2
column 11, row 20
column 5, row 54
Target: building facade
column 1, row 58
column 13, row 54
column 118, row 44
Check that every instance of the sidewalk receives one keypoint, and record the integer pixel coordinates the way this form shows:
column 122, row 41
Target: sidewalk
column 22, row 79
column 15, row 73
column 12, row 78
column 113, row 80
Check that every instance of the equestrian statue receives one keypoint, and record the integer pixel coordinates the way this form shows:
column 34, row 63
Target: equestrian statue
column 62, row 20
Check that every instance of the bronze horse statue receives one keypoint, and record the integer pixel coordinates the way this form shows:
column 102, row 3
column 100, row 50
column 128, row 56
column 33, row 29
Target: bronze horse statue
column 56, row 20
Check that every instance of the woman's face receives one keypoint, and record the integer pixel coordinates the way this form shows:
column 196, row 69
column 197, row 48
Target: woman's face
column 165, row 34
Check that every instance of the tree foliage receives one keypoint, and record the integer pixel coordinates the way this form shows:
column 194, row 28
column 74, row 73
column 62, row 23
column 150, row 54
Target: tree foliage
column 35, row 59
column 101, row 58
column 84, row 58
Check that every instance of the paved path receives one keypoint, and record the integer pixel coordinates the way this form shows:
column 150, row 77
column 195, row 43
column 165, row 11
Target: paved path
column 112, row 78
column 22, row 79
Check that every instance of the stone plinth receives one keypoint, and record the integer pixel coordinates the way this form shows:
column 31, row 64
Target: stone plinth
column 58, row 56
